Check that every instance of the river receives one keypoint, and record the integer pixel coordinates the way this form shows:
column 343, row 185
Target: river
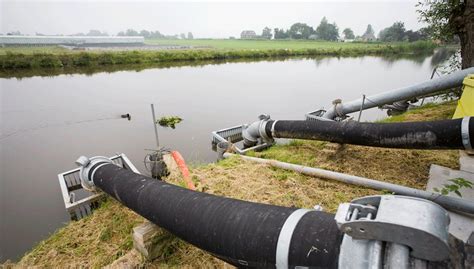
column 47, row 122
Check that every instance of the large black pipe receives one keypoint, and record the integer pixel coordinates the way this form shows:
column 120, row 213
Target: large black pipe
column 442, row 134
column 242, row 233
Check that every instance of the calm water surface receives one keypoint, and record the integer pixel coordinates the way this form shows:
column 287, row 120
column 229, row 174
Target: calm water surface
column 47, row 122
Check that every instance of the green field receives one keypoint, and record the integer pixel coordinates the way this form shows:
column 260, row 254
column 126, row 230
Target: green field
column 237, row 44
column 230, row 44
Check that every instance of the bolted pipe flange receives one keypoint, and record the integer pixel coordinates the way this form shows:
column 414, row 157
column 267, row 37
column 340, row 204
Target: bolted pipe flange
column 88, row 167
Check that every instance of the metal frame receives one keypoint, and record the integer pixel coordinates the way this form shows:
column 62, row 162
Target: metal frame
column 70, row 181
column 234, row 135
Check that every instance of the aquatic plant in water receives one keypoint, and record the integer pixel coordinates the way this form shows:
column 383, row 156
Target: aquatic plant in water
column 169, row 121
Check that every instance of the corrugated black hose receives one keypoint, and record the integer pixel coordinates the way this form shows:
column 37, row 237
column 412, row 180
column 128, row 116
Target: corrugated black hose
column 242, row 233
column 442, row 134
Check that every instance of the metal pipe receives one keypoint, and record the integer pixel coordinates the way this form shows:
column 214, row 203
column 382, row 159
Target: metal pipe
column 406, row 93
column 398, row 256
column 451, row 203
column 154, row 125
column 361, row 107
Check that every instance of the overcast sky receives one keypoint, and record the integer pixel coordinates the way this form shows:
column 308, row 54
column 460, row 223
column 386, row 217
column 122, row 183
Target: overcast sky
column 215, row 19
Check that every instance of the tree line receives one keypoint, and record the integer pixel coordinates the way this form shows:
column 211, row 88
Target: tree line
column 324, row 31
column 330, row 32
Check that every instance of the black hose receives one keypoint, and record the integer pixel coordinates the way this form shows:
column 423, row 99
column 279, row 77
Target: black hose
column 242, row 233
column 443, row 134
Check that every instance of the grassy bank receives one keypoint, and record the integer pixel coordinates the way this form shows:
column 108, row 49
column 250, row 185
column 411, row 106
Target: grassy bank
column 106, row 235
column 90, row 70
column 57, row 58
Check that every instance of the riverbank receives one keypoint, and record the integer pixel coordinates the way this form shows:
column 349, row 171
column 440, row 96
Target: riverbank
column 106, row 235
column 90, row 70
column 28, row 58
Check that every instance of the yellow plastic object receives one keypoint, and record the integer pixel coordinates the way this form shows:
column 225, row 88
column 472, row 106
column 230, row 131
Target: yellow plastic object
column 466, row 103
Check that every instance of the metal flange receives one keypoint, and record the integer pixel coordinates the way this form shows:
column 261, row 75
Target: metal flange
column 86, row 165
column 416, row 223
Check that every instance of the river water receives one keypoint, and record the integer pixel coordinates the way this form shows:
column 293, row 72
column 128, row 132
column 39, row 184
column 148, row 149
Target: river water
column 47, row 122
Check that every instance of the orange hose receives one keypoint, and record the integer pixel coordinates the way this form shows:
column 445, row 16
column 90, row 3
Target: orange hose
column 184, row 169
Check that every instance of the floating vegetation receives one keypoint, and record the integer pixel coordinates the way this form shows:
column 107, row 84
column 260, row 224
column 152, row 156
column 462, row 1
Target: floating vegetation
column 169, row 121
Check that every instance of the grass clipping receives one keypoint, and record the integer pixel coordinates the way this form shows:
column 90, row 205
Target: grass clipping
column 106, row 235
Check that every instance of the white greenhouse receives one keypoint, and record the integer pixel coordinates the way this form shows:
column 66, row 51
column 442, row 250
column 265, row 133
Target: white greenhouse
column 11, row 40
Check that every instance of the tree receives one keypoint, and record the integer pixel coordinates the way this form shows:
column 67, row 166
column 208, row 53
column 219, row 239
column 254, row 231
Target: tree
column 96, row 33
column 413, row 36
column 300, row 31
column 190, row 35
column 182, row 36
column 131, row 32
column 281, row 34
column 449, row 18
column 369, row 34
column 396, row 32
column 14, row 33
column 267, row 33
column 145, row 33
column 156, row 34
column 327, row 31
column 348, row 33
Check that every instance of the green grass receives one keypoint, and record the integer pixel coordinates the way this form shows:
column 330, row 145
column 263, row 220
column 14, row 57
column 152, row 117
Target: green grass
column 431, row 111
column 34, row 50
column 223, row 50
column 237, row 44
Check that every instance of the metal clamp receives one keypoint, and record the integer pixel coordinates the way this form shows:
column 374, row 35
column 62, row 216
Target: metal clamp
column 416, row 223
column 264, row 118
column 466, row 140
column 86, row 164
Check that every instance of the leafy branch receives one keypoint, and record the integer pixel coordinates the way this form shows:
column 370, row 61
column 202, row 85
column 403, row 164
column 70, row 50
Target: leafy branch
column 455, row 186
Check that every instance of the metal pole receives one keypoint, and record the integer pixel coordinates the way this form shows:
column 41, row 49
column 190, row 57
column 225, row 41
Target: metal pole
column 448, row 202
column 154, row 125
column 407, row 93
column 361, row 107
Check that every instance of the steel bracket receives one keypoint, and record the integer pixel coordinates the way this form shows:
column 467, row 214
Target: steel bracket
column 416, row 223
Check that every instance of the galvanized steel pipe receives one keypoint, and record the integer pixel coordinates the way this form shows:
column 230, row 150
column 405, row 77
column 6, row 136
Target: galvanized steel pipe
column 447, row 202
column 406, row 93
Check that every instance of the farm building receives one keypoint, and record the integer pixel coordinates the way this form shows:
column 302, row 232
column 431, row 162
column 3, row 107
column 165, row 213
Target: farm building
column 248, row 34
column 11, row 40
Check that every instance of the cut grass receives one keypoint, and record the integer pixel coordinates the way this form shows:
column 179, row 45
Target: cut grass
column 106, row 235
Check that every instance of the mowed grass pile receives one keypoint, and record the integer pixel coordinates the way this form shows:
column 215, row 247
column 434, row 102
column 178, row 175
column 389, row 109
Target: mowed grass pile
column 34, row 58
column 106, row 235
